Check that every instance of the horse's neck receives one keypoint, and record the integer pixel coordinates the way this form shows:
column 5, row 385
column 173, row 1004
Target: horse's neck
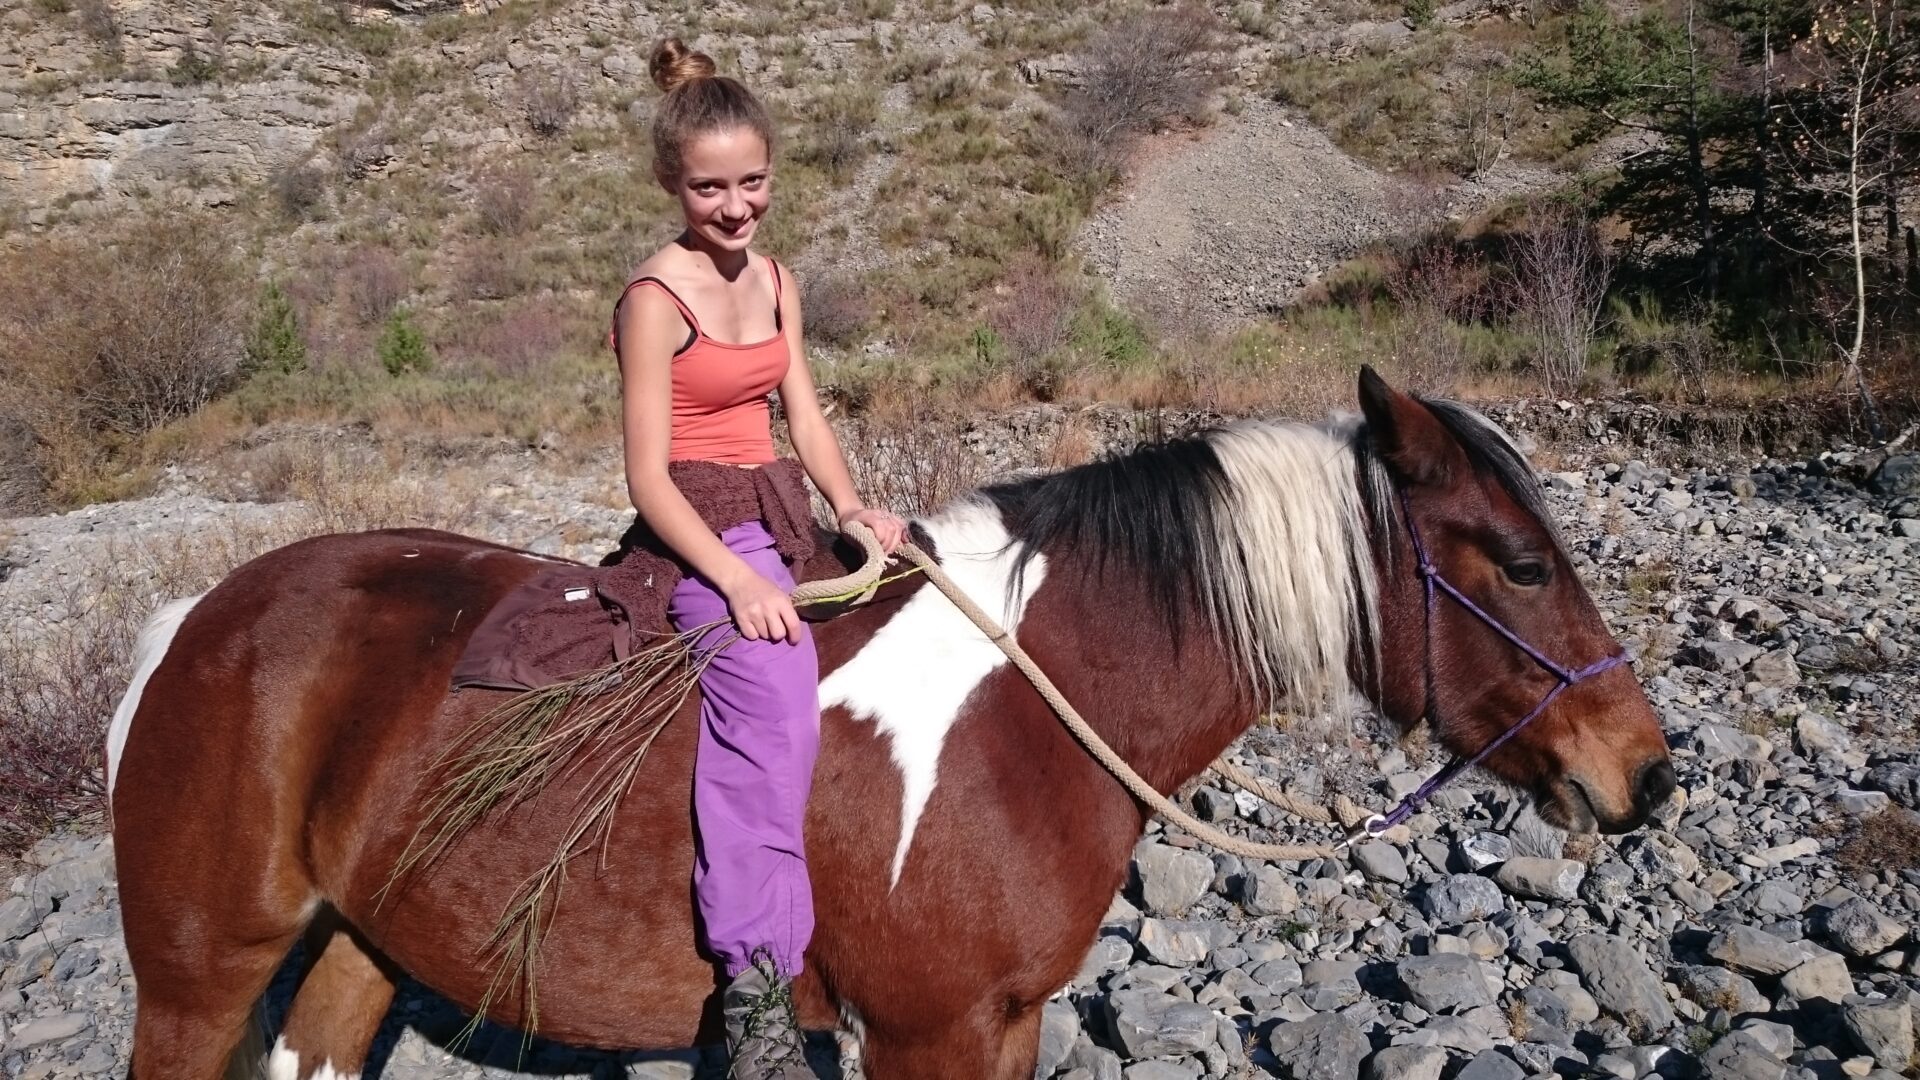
column 1167, row 713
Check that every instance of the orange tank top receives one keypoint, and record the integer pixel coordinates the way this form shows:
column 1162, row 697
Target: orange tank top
column 720, row 389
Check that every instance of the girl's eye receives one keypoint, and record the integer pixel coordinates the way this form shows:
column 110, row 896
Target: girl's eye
column 1527, row 572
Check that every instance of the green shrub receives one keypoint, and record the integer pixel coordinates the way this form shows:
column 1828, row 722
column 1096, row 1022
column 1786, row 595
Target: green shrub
column 402, row 347
column 275, row 343
column 192, row 69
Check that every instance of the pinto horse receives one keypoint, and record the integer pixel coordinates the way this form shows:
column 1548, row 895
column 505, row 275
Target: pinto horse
column 274, row 753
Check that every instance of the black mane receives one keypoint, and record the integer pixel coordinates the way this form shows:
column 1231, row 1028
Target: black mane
column 1149, row 511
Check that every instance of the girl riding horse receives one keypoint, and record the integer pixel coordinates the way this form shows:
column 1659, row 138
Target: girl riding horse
column 705, row 331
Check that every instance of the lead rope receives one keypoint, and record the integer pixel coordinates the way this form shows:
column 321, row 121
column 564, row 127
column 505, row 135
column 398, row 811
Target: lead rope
column 859, row 586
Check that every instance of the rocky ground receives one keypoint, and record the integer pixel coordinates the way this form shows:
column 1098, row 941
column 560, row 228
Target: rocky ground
column 1760, row 928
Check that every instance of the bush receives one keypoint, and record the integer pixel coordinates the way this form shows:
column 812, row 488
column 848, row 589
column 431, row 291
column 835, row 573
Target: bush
column 505, row 201
column 522, row 339
column 549, row 102
column 1561, row 270
column 375, row 281
column 192, row 69
column 299, row 189
column 835, row 140
column 836, row 310
column 403, row 348
column 276, row 343
column 1141, row 74
column 1034, row 319
column 103, row 338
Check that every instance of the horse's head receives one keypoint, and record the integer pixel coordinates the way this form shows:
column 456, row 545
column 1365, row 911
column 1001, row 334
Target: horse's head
column 1444, row 481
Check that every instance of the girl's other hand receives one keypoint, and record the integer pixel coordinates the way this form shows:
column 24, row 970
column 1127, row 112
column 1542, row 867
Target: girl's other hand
column 886, row 525
column 762, row 609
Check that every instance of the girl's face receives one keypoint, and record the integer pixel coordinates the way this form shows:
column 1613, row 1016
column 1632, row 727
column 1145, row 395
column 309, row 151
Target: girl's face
column 724, row 186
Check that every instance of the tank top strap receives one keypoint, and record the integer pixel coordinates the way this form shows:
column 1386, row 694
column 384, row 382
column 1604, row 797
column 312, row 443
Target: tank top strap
column 685, row 311
column 774, row 267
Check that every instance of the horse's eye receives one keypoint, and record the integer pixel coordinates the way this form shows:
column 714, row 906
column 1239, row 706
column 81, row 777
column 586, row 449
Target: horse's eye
column 1527, row 572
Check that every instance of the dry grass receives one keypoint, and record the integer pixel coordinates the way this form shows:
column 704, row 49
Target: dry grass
column 1889, row 840
column 60, row 681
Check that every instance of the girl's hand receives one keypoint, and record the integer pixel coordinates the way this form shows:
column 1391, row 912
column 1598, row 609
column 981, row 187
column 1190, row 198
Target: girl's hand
column 762, row 609
column 886, row 525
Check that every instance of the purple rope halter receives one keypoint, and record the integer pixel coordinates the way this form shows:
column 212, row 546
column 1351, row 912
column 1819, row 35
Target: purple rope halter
column 1564, row 677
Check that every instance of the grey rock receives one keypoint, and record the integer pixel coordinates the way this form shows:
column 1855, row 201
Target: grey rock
column 1407, row 1063
column 1326, row 1046
column 1726, row 656
column 1380, row 861
column 1823, row 978
column 1755, row 952
column 20, row 915
column 1331, row 984
column 1171, row 878
column 1776, row 669
column 1484, row 849
column 1174, row 943
column 1110, row 952
column 1899, row 779
column 1491, row 1065
column 1445, row 983
column 1884, row 1029
column 1859, row 928
column 1541, row 879
column 1059, row 1027
column 1461, row 898
column 1267, row 891
column 49, row 1029
column 1899, row 475
column 1739, row 1056
column 1162, row 1070
column 1718, row 988
column 1620, row 981
column 1152, row 1023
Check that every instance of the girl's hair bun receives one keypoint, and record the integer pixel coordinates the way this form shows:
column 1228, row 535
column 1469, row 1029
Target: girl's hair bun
column 674, row 65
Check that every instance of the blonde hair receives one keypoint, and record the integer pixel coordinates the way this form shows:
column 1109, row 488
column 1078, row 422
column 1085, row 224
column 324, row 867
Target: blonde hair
column 698, row 101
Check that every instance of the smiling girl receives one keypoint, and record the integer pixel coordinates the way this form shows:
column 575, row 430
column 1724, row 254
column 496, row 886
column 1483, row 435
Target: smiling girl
column 704, row 332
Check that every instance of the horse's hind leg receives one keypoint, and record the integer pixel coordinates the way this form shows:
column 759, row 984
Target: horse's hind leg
column 195, row 997
column 338, row 1008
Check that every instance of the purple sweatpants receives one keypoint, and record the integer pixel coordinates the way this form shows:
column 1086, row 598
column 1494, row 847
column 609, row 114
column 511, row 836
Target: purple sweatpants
column 759, row 735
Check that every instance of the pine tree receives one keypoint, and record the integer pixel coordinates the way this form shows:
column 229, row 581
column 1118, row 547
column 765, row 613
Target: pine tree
column 275, row 343
column 403, row 348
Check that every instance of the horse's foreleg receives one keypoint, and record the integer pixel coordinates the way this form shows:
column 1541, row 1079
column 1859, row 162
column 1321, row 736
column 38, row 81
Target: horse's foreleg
column 338, row 1009
column 994, row 1046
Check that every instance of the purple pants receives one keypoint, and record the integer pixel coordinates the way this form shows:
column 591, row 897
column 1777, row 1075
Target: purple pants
column 759, row 735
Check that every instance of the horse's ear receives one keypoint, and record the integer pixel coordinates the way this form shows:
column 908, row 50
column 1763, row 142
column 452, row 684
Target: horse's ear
column 1407, row 435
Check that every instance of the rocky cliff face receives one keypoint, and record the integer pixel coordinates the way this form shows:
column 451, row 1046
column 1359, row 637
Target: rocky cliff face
column 115, row 99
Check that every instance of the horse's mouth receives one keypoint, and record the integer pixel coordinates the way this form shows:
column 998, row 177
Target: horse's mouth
column 1564, row 805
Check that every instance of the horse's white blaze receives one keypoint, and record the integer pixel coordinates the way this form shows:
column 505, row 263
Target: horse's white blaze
column 155, row 638
column 915, row 675
column 284, row 1064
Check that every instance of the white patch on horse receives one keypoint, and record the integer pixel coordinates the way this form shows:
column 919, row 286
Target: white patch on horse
column 155, row 638
column 284, row 1064
column 915, row 675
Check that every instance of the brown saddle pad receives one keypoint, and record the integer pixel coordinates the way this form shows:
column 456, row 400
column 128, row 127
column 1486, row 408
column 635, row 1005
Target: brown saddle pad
column 570, row 618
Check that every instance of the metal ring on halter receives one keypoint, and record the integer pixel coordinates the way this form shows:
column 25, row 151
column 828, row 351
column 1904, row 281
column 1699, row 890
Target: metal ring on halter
column 1364, row 831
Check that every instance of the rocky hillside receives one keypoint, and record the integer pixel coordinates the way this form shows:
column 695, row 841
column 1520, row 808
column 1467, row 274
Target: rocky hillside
column 1761, row 927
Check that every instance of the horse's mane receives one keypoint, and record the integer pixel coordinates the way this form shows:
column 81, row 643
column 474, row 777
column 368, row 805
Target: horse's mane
column 1261, row 528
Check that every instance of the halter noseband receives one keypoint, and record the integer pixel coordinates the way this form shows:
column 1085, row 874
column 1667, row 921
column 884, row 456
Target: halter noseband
column 1564, row 677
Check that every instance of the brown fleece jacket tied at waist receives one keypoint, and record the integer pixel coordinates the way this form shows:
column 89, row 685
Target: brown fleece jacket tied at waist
column 572, row 618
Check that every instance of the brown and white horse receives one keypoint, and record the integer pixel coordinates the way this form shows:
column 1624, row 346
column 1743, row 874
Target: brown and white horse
column 269, row 763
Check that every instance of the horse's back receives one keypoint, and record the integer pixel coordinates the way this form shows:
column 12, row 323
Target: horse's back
column 279, row 689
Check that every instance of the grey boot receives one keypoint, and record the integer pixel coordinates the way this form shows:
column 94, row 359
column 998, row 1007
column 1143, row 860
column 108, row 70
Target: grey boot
column 763, row 1035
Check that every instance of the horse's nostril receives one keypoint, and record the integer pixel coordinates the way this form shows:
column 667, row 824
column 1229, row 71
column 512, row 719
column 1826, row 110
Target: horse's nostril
column 1656, row 784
